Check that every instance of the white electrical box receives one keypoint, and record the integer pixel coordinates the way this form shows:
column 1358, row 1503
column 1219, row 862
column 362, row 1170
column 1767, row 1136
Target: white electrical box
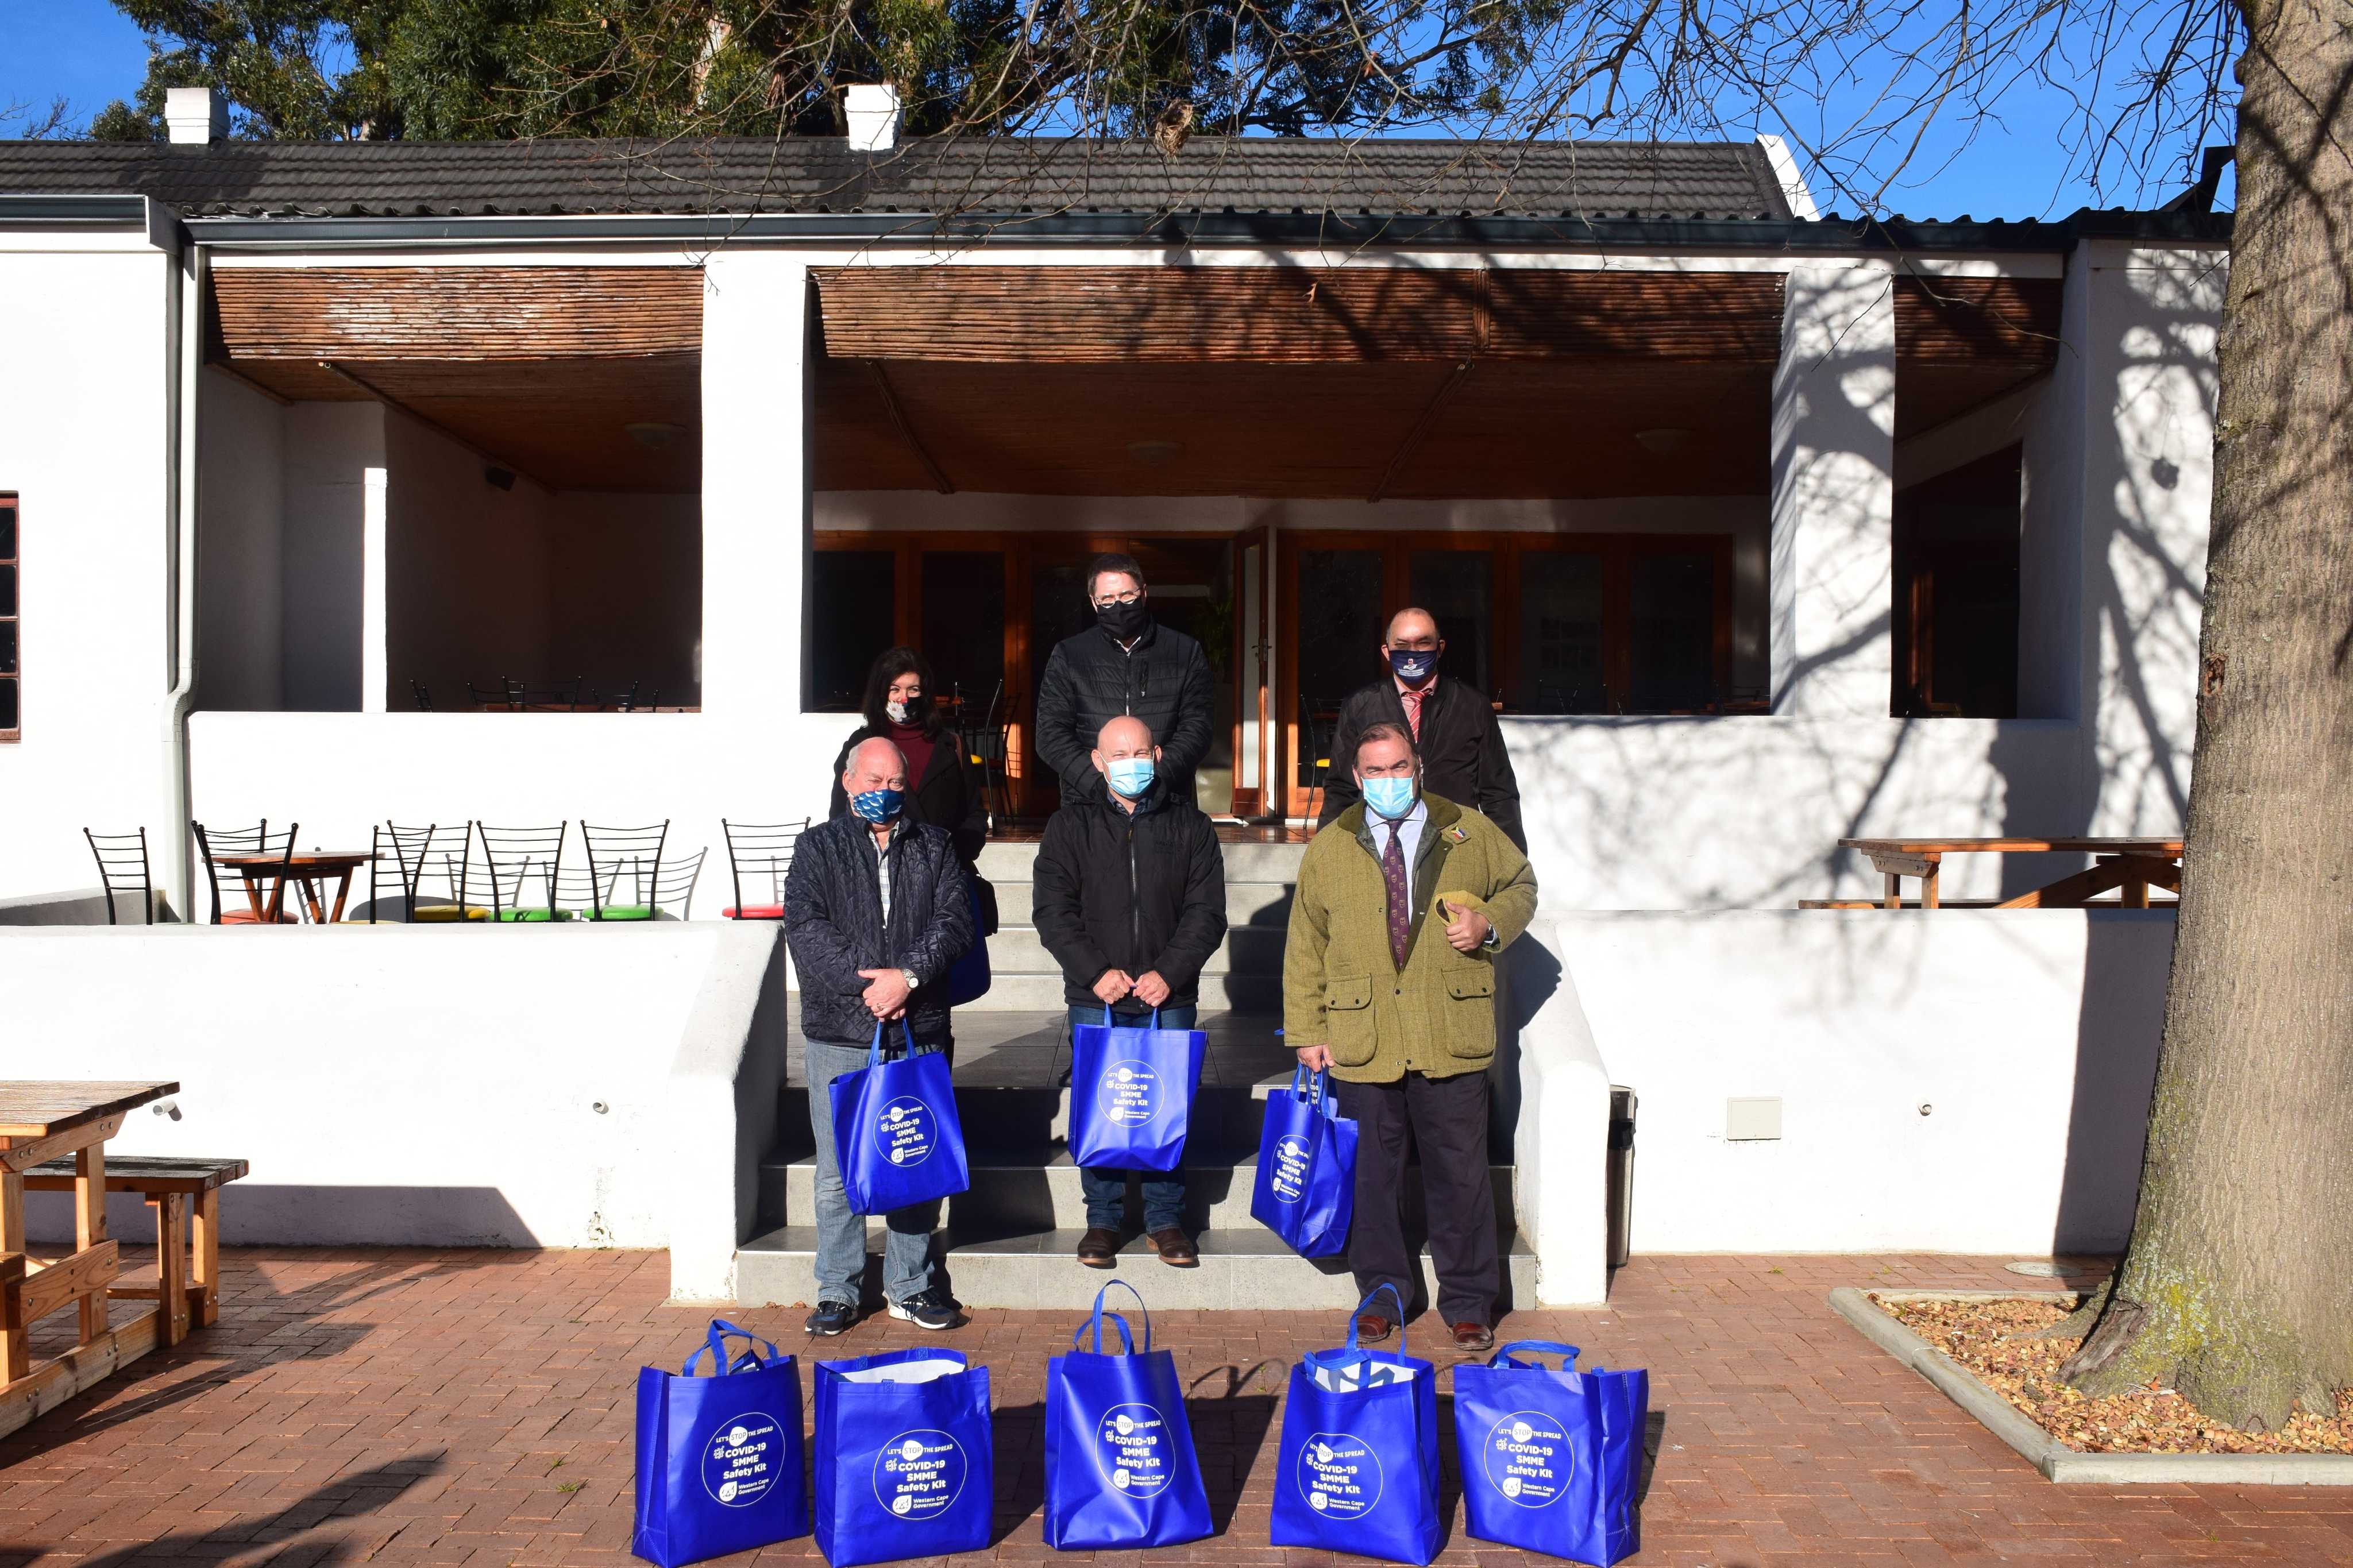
column 1752, row 1120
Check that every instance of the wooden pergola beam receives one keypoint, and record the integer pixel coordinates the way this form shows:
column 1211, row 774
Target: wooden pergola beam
column 389, row 400
column 1412, row 442
column 906, row 430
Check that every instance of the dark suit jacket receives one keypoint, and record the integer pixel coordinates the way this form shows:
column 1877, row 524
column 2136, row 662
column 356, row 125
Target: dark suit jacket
column 1462, row 746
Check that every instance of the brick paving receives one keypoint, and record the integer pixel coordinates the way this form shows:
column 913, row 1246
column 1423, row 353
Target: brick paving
column 425, row 1407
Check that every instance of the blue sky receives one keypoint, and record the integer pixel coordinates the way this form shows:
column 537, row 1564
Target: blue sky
column 86, row 52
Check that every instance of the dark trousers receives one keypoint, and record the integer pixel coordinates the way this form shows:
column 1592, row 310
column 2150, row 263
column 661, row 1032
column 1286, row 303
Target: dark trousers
column 1447, row 1118
column 1106, row 1191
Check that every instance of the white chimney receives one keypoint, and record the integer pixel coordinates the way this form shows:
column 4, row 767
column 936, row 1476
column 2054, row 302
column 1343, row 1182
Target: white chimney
column 872, row 110
column 195, row 115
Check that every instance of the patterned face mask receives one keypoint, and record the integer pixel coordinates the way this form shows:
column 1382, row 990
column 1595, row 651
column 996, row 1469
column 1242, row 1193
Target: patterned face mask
column 895, row 712
column 1413, row 665
column 878, row 805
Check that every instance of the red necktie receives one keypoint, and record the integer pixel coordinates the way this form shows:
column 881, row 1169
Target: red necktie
column 1413, row 711
column 1400, row 901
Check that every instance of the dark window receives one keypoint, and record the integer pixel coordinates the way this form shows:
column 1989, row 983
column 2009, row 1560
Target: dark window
column 1956, row 609
column 1670, row 653
column 1561, row 630
column 1454, row 586
column 1340, row 625
column 9, row 703
column 853, row 609
column 963, row 623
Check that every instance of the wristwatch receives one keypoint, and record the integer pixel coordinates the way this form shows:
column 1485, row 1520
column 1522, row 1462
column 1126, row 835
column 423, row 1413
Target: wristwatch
column 909, row 976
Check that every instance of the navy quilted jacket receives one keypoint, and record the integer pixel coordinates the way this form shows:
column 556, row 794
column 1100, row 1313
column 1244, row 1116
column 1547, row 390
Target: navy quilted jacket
column 833, row 922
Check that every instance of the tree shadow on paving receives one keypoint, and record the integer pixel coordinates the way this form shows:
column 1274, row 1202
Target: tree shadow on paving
column 347, row 1497
column 248, row 1338
column 1229, row 1428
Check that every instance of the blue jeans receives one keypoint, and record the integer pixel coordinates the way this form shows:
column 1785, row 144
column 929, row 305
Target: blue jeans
column 1106, row 1191
column 908, row 1269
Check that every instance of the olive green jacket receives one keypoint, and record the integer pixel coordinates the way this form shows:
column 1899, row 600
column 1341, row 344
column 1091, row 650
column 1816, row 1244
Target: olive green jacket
column 1341, row 988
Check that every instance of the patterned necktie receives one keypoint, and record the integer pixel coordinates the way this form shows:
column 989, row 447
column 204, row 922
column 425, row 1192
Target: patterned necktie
column 1413, row 710
column 1400, row 902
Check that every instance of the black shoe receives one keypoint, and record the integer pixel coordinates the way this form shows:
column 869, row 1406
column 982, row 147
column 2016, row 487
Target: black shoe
column 934, row 1310
column 1098, row 1249
column 831, row 1318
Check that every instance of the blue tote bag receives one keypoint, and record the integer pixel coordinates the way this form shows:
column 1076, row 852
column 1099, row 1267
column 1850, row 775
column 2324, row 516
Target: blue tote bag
column 1119, row 1466
column 968, row 977
column 896, row 1137
column 719, row 1456
column 904, row 1466
column 1305, row 1190
column 1358, row 1469
column 1550, row 1460
column 1132, row 1093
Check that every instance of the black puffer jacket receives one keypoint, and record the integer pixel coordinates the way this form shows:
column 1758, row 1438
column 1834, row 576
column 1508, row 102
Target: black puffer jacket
column 1091, row 681
column 1140, row 892
column 833, row 922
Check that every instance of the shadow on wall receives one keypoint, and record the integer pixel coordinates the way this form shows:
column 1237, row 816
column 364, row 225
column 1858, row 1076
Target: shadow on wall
column 258, row 1215
column 2117, row 1035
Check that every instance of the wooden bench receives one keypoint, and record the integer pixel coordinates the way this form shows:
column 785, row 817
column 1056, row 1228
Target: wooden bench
column 185, row 1195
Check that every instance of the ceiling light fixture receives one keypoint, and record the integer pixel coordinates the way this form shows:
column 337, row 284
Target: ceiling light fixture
column 1664, row 442
column 1154, row 454
column 653, row 434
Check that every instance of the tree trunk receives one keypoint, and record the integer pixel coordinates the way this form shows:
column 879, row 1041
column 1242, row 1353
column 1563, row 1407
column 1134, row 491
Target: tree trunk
column 2236, row 1288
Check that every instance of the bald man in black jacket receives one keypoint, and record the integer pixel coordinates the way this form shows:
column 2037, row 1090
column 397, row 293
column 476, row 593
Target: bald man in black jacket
column 1454, row 730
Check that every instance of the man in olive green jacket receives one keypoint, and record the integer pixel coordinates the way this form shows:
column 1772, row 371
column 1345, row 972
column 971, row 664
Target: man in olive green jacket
column 1401, row 1009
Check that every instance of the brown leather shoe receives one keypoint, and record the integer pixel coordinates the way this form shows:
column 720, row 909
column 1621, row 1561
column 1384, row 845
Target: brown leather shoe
column 1098, row 1249
column 1473, row 1337
column 1177, row 1249
column 1372, row 1329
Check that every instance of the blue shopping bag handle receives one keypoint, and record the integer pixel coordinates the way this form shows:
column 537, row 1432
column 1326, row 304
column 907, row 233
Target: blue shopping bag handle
column 1354, row 1357
column 1109, row 1024
column 1568, row 1353
column 1079, row 1334
column 1313, row 1089
column 715, row 1341
column 874, row 1051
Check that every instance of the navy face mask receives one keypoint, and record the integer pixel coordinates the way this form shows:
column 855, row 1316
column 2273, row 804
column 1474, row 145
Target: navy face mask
column 877, row 805
column 1413, row 665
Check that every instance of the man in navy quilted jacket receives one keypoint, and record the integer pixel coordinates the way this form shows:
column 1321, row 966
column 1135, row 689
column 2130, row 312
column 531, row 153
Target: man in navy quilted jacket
column 876, row 914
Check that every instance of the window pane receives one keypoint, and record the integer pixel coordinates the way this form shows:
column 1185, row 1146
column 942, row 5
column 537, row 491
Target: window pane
column 852, row 618
column 1452, row 584
column 7, row 530
column 1673, row 655
column 7, row 648
column 7, row 704
column 963, row 623
column 1339, row 636
column 1560, row 633
column 7, row 590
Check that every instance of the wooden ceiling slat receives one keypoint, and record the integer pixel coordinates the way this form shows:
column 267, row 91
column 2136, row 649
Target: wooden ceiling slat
column 1966, row 320
column 463, row 313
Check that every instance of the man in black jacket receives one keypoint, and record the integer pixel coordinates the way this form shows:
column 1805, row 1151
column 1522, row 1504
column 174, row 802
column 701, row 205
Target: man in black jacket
column 1126, row 666
column 1454, row 730
column 876, row 915
column 1130, row 898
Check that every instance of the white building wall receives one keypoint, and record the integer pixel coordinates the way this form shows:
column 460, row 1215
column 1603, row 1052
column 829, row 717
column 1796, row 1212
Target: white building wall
column 331, row 450
column 241, row 493
column 86, row 439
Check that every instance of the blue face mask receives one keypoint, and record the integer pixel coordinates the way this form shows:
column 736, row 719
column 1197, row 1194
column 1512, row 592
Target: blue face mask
column 1391, row 798
column 1131, row 776
column 1413, row 665
column 878, row 805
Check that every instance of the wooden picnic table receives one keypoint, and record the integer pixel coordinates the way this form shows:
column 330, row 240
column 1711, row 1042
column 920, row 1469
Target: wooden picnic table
column 2129, row 866
column 309, row 867
column 42, row 1120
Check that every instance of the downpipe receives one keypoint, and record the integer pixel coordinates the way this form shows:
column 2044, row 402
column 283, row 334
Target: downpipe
column 184, row 356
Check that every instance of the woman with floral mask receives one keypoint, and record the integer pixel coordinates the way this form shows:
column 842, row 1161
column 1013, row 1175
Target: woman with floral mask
column 941, row 789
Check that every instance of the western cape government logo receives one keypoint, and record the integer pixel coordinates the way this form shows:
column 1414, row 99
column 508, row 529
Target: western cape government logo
column 1130, row 1094
column 1132, row 1449
column 1292, row 1158
column 1528, row 1458
column 919, row 1473
column 908, row 1128
column 739, row 1462
column 1339, row 1474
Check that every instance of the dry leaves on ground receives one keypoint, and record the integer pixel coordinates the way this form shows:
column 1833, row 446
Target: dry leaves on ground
column 1992, row 1338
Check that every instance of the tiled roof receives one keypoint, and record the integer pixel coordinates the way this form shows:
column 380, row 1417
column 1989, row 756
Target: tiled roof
column 1211, row 175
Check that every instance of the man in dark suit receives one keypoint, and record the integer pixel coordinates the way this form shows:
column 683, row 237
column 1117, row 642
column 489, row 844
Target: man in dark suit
column 1454, row 729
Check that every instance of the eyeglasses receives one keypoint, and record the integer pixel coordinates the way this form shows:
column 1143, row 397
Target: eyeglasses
column 1108, row 600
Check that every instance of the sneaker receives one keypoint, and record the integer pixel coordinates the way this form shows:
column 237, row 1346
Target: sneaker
column 831, row 1318
column 934, row 1310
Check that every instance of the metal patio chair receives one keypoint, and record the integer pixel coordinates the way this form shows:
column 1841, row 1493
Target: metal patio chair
column 212, row 846
column 624, row 870
column 759, row 854
column 556, row 697
column 123, row 870
column 1319, row 725
column 525, row 865
column 423, row 857
column 987, row 745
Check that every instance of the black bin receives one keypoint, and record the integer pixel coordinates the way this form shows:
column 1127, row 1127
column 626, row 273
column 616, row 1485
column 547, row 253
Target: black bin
column 1619, row 1182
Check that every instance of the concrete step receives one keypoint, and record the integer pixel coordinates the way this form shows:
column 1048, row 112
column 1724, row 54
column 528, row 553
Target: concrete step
column 1247, row 950
column 1012, row 1125
column 1043, row 1193
column 1247, row 903
column 1030, row 993
column 1239, row 1270
column 1011, row 862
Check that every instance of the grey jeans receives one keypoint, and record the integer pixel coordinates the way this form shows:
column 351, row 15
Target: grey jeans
column 908, row 1269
